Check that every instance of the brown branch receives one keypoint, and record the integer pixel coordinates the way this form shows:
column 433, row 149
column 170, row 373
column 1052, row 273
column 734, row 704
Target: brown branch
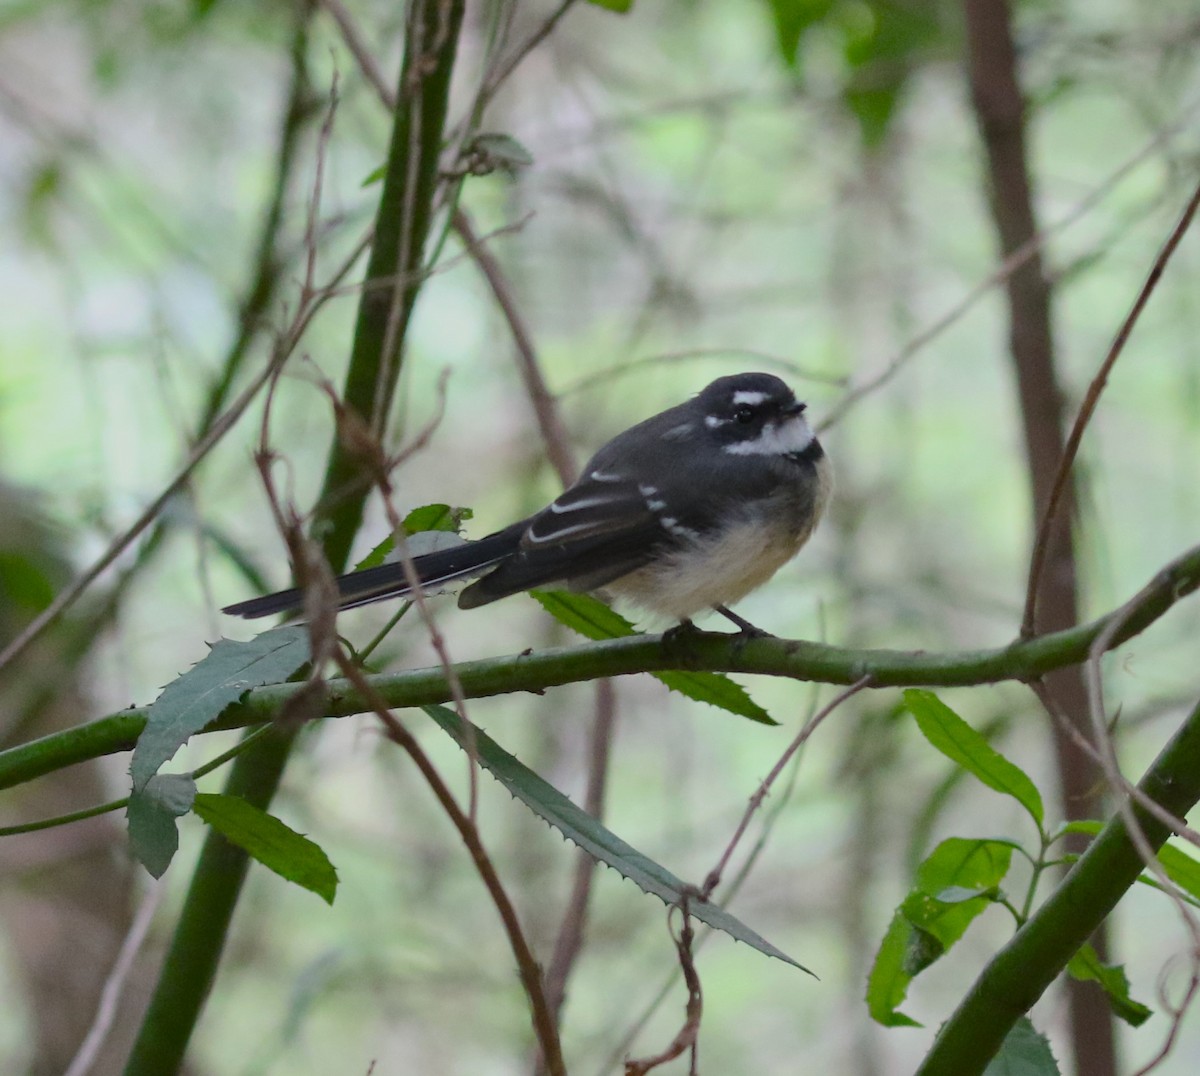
column 531, row 978
column 502, row 70
column 1013, row 261
column 810, row 726
column 358, row 49
column 558, row 446
column 686, row 1038
column 569, row 943
column 1088, row 408
column 1000, row 112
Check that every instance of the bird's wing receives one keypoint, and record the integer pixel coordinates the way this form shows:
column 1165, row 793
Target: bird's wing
column 603, row 527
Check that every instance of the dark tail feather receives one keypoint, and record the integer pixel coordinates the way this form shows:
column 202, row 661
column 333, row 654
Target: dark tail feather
column 389, row 580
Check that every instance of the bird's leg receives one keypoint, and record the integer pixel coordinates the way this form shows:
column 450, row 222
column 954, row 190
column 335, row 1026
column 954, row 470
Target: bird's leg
column 745, row 628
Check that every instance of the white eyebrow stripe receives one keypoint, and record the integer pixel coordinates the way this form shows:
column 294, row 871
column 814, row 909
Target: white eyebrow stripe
column 794, row 435
column 750, row 397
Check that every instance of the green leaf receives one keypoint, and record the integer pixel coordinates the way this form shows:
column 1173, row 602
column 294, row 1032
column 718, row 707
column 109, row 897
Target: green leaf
column 1024, row 1052
column 374, row 176
column 274, row 844
column 793, row 19
column 201, row 694
column 491, row 151
column 955, row 883
column 151, row 815
column 429, row 517
column 888, row 982
column 592, row 619
column 960, row 743
column 1181, row 869
column 600, row 843
column 619, row 6
column 24, row 583
column 1086, row 966
column 1090, row 826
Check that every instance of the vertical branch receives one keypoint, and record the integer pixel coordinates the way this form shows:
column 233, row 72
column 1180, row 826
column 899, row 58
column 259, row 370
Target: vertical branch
column 389, row 293
column 394, row 270
column 1000, row 112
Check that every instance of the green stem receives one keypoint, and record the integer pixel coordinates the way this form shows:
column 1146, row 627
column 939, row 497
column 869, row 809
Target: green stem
column 810, row 662
column 1020, row 973
column 395, row 270
column 116, row 805
column 401, row 227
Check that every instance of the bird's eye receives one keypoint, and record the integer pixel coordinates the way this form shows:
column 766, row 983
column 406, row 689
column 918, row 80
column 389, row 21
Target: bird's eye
column 744, row 415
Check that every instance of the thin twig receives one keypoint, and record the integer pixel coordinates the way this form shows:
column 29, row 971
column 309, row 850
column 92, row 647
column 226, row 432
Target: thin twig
column 358, row 49
column 1088, row 408
column 543, row 1020
column 1006, row 268
column 204, row 446
column 558, row 446
column 502, row 71
column 569, row 942
column 687, row 1035
column 114, row 985
column 807, row 729
column 766, row 358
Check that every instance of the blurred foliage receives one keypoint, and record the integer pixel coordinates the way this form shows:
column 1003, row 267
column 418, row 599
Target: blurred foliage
column 715, row 186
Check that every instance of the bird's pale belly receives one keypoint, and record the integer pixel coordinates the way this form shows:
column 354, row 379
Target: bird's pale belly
column 711, row 571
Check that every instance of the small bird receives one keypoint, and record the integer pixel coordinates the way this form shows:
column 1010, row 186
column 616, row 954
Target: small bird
column 687, row 511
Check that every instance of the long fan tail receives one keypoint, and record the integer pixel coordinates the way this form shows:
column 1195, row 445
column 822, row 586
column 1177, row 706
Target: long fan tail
column 390, row 580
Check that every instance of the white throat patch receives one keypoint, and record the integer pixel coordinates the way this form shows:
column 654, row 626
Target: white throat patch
column 777, row 439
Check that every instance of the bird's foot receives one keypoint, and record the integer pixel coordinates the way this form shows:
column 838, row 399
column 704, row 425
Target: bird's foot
column 678, row 637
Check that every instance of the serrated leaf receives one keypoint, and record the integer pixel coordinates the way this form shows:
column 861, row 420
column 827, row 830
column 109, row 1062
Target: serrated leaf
column 960, row 743
column 594, row 620
column 201, row 694
column 1087, row 966
column 429, row 517
column 927, row 924
column 151, row 817
column 274, row 844
column 1024, row 1052
column 598, row 842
